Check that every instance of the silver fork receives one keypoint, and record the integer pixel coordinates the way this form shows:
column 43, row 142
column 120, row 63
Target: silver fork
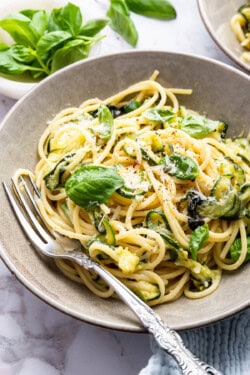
column 27, row 212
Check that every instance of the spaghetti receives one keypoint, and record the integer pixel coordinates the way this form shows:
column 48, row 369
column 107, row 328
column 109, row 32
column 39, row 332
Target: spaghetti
column 240, row 24
column 153, row 191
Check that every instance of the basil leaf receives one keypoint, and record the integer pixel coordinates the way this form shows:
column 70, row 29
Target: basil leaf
column 92, row 184
column 158, row 115
column 198, row 126
column 132, row 105
column 162, row 9
column 17, row 25
column 121, row 22
column 3, row 47
column 235, row 250
column 29, row 12
column 22, row 54
column 182, row 167
column 39, row 23
column 93, row 27
column 71, row 52
column 8, row 65
column 67, row 18
column 49, row 41
column 198, row 238
column 106, row 122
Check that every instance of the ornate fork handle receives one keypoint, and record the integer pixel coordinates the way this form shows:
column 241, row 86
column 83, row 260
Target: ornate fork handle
column 167, row 338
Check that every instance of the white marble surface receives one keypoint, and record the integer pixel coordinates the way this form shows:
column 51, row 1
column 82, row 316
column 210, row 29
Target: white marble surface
column 36, row 339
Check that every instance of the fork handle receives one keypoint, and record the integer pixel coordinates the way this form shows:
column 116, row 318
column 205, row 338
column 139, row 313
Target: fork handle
column 168, row 339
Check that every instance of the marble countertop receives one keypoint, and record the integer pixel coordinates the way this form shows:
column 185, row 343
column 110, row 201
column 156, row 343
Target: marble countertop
column 36, row 339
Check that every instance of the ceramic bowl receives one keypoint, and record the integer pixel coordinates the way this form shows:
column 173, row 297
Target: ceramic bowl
column 214, row 85
column 216, row 15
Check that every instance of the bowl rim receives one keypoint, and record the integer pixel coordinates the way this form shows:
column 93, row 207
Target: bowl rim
column 212, row 33
column 39, row 292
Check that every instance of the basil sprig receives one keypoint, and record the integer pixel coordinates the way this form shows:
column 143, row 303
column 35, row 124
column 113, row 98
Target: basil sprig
column 47, row 41
column 92, row 184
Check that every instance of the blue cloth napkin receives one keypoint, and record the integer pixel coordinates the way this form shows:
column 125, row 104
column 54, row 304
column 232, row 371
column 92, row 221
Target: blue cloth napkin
column 224, row 345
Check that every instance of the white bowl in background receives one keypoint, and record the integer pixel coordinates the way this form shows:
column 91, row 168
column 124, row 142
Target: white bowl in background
column 11, row 86
column 216, row 15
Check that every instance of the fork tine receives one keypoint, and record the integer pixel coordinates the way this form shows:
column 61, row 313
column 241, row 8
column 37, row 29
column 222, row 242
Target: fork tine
column 32, row 235
column 37, row 191
column 31, row 196
column 42, row 232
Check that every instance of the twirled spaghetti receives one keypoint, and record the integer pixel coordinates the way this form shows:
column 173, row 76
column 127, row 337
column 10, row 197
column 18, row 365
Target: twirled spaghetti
column 151, row 189
column 240, row 24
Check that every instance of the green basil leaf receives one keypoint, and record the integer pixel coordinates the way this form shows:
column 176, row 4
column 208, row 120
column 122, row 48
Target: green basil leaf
column 29, row 12
column 158, row 115
column 198, row 126
column 161, row 9
column 39, row 23
column 17, row 25
column 198, row 238
column 92, row 184
column 182, row 167
column 93, row 27
column 8, row 65
column 4, row 47
column 132, row 105
column 121, row 22
column 72, row 51
column 235, row 250
column 51, row 40
column 106, row 122
column 22, row 54
column 67, row 18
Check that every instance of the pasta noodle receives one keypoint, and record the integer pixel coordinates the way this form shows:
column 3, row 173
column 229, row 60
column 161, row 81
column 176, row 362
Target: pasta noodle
column 154, row 192
column 240, row 24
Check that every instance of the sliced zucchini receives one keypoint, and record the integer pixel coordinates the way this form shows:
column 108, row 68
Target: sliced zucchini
column 201, row 273
column 136, row 182
column 129, row 150
column 144, row 290
column 233, row 171
column 152, row 140
column 149, row 156
column 245, row 11
column 245, row 199
column 53, row 179
column 240, row 147
column 156, row 220
column 170, row 241
column 224, row 201
column 109, row 235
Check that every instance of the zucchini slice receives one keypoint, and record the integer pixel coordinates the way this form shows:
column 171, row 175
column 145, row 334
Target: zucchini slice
column 109, row 235
column 136, row 182
column 223, row 202
column 233, row 171
column 144, row 290
column 53, row 179
column 156, row 220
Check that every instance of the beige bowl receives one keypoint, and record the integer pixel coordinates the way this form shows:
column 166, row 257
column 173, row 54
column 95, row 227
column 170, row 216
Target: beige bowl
column 216, row 15
column 214, row 86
